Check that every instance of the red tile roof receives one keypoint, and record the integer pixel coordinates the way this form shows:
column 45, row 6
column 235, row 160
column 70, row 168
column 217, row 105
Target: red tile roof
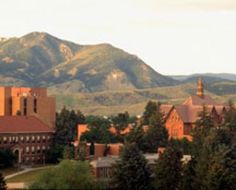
column 23, row 124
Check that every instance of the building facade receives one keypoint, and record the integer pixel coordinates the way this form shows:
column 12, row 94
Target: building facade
column 27, row 121
column 27, row 102
column 181, row 119
column 27, row 137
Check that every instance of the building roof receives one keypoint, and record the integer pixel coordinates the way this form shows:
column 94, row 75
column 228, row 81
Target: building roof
column 23, row 124
column 189, row 114
column 196, row 100
column 165, row 109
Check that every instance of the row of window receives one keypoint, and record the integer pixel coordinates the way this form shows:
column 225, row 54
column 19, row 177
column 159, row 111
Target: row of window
column 35, row 149
column 24, row 139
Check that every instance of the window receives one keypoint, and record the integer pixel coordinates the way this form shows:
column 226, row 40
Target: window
column 35, row 105
column 38, row 149
column 27, row 139
column 33, row 139
column 27, row 150
column 32, row 150
column 25, row 106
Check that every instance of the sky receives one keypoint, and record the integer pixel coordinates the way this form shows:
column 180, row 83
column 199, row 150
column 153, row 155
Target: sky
column 173, row 36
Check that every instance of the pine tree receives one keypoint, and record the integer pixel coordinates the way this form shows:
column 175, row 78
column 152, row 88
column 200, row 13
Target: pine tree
column 2, row 183
column 156, row 135
column 189, row 175
column 131, row 172
column 168, row 170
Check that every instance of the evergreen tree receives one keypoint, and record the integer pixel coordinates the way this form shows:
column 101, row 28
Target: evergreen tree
column 136, row 135
column 221, row 173
column 230, row 117
column 168, row 170
column 150, row 109
column 156, row 135
column 201, row 130
column 189, row 175
column 2, row 183
column 212, row 157
column 131, row 172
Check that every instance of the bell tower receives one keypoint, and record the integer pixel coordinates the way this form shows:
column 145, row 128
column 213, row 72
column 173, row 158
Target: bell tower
column 200, row 88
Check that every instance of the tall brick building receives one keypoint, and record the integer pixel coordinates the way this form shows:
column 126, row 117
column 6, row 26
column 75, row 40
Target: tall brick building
column 27, row 119
column 26, row 102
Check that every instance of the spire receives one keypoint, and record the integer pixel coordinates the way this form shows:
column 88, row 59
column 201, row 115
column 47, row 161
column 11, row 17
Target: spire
column 200, row 88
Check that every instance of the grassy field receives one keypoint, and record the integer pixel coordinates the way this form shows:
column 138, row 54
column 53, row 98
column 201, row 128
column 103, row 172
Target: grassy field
column 10, row 171
column 28, row 177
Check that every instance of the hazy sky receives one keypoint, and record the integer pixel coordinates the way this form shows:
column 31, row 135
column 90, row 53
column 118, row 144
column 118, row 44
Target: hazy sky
column 172, row 36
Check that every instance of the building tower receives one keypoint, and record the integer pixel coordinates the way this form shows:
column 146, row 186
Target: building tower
column 200, row 88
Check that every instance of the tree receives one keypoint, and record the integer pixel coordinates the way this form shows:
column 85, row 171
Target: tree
column 131, row 171
column 168, row 170
column 3, row 185
column 189, row 175
column 136, row 135
column 156, row 135
column 65, row 133
column 230, row 117
column 150, row 109
column 201, row 130
column 221, row 173
column 120, row 122
column 7, row 158
column 216, row 160
column 69, row 174
column 98, row 130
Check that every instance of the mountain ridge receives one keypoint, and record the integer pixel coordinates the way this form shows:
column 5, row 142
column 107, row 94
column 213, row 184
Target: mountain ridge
column 40, row 59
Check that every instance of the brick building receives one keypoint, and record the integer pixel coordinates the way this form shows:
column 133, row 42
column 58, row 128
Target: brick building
column 27, row 119
column 181, row 118
column 26, row 136
column 26, row 102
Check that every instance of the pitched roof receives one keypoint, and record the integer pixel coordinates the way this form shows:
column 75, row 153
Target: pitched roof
column 165, row 109
column 189, row 114
column 196, row 100
column 23, row 124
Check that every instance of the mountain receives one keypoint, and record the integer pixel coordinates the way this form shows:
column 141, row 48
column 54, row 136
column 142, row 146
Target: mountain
column 227, row 76
column 40, row 59
column 218, row 84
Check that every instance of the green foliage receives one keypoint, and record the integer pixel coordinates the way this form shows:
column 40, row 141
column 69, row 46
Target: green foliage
column 136, row 135
column 98, row 130
column 221, row 173
column 216, row 164
column 189, row 175
column 2, row 183
column 168, row 170
column 7, row 158
column 120, row 122
column 202, row 128
column 156, row 135
column 131, row 171
column 65, row 134
column 184, row 145
column 67, row 175
column 230, row 117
